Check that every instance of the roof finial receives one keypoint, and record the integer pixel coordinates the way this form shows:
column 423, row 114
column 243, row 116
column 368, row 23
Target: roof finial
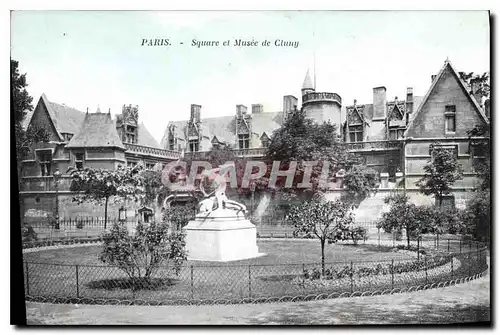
column 87, row 110
column 355, row 102
column 447, row 60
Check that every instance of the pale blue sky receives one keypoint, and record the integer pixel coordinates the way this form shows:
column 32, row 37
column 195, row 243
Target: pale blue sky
column 85, row 59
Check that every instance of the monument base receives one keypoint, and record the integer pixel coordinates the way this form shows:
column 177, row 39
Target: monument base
column 221, row 237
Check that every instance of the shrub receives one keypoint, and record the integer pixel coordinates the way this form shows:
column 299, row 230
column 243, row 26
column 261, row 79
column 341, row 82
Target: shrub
column 141, row 255
column 357, row 234
column 29, row 234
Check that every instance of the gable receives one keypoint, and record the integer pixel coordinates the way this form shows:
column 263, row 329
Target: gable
column 354, row 117
column 447, row 89
column 41, row 118
column 394, row 111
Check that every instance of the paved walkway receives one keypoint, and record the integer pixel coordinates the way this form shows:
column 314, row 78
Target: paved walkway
column 469, row 302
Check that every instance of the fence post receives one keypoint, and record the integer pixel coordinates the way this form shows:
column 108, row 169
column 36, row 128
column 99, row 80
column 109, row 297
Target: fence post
column 418, row 248
column 249, row 281
column 392, row 273
column 378, row 236
column 352, row 278
column 425, row 266
column 192, row 283
column 460, row 245
column 77, row 285
column 448, row 245
column 451, row 266
column 27, row 279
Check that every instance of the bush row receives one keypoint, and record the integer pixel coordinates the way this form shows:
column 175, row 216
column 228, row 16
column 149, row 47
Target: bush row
column 379, row 269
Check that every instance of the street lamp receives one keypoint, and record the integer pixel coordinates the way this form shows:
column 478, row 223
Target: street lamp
column 56, row 176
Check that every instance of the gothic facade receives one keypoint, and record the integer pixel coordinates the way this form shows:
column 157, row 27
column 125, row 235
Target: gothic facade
column 393, row 135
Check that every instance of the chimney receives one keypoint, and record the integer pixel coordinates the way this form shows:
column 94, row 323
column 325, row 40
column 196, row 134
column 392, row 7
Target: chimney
column 195, row 113
column 409, row 100
column 379, row 103
column 432, row 78
column 241, row 110
column 289, row 103
column 257, row 108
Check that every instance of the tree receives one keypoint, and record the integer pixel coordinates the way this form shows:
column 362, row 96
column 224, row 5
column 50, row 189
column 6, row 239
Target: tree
column 404, row 215
column 479, row 144
column 179, row 216
column 99, row 185
column 479, row 84
column 325, row 220
column 302, row 140
column 359, row 181
column 477, row 215
column 22, row 104
column 441, row 171
column 140, row 255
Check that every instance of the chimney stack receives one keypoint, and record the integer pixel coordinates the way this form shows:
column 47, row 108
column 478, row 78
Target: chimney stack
column 379, row 103
column 289, row 103
column 241, row 110
column 196, row 113
column 257, row 108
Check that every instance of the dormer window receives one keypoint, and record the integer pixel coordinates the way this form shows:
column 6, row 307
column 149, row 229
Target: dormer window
column 194, row 145
column 356, row 133
column 243, row 141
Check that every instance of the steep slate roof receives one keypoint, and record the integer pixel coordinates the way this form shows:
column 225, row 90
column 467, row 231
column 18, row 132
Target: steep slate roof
column 463, row 86
column 65, row 119
column 70, row 120
column 224, row 127
column 145, row 138
column 98, row 130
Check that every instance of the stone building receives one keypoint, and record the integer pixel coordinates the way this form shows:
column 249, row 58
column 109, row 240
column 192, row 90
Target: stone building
column 392, row 134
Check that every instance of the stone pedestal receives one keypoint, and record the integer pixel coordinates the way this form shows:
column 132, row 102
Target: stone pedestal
column 221, row 236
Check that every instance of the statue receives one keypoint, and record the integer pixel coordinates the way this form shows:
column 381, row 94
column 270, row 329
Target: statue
column 217, row 199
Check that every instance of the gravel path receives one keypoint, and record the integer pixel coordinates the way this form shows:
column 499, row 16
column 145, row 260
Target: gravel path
column 469, row 302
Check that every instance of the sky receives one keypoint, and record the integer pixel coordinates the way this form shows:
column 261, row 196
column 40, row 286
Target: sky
column 88, row 59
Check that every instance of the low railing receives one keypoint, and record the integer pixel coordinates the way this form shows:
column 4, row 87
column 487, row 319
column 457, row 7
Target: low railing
column 198, row 283
column 153, row 151
column 374, row 145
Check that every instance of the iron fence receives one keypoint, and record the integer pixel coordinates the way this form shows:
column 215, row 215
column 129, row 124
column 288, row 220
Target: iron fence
column 453, row 260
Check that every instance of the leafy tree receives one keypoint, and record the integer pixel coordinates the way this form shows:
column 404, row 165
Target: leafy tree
column 179, row 216
column 359, row 181
column 441, row 172
column 325, row 220
column 22, row 104
column 140, row 255
column 482, row 166
column 478, row 83
column 405, row 215
column 300, row 139
column 477, row 215
column 357, row 233
column 99, row 185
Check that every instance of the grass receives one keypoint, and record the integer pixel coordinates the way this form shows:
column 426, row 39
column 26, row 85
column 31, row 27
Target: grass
column 258, row 277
